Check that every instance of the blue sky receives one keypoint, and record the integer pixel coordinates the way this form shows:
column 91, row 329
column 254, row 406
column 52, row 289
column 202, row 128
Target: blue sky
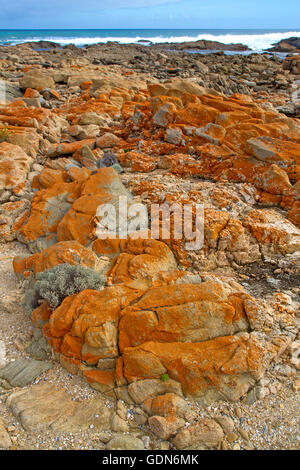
column 150, row 14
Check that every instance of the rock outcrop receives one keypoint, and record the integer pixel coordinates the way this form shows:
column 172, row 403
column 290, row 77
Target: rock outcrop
column 174, row 321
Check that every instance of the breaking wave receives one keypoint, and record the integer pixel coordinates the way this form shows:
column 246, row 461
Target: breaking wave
column 256, row 41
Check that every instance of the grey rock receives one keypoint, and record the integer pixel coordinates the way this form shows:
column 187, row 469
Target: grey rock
column 109, row 159
column 39, row 349
column 12, row 92
column 23, row 371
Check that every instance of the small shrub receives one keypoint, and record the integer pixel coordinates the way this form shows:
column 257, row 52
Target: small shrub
column 57, row 283
column 5, row 134
column 164, row 378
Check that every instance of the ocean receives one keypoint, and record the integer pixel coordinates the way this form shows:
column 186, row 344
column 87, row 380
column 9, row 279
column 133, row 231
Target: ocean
column 257, row 39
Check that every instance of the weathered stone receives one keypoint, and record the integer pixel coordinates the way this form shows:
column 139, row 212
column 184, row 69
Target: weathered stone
column 223, row 367
column 118, row 424
column 275, row 233
column 151, row 388
column 125, row 443
column 70, row 252
column 206, row 434
column 14, row 166
column 43, row 407
column 5, row 440
column 165, row 428
column 191, row 313
column 36, row 80
column 23, row 371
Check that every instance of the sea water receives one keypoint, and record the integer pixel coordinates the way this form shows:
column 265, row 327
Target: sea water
column 257, row 39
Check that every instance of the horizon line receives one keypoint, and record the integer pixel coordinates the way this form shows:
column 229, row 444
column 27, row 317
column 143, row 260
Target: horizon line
column 136, row 29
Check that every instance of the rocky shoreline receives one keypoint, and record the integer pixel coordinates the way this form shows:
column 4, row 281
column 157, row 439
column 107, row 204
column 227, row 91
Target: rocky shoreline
column 141, row 343
column 287, row 45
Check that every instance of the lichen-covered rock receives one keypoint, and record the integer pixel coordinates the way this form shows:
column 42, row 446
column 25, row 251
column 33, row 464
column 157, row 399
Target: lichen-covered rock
column 185, row 313
column 165, row 428
column 14, row 167
column 79, row 223
column 48, row 208
column 154, row 334
column 70, row 252
column 222, row 367
column 273, row 150
column 140, row 258
column 275, row 233
column 12, row 216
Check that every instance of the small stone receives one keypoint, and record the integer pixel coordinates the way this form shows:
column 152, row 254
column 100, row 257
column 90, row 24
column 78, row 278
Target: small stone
column 236, row 447
column 226, row 423
column 244, row 434
column 5, row 440
column 224, row 445
column 125, row 443
column 118, row 424
column 103, row 437
column 164, row 428
column 296, row 385
column 164, row 445
column 232, row 436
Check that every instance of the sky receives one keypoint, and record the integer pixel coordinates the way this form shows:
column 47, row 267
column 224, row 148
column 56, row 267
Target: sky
column 128, row 14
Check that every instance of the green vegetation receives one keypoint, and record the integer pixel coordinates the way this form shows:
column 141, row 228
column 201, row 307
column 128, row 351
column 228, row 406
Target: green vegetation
column 5, row 134
column 57, row 283
column 164, row 378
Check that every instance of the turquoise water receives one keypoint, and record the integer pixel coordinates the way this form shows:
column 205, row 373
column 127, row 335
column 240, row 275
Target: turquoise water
column 256, row 39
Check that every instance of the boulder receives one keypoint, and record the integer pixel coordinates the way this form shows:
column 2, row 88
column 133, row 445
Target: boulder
column 272, row 231
column 36, row 80
column 12, row 216
column 207, row 434
column 70, row 252
column 185, row 313
column 48, row 208
column 224, row 367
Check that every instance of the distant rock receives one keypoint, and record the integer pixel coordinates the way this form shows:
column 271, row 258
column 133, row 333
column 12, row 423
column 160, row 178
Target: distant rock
column 203, row 44
column 42, row 44
column 286, row 45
